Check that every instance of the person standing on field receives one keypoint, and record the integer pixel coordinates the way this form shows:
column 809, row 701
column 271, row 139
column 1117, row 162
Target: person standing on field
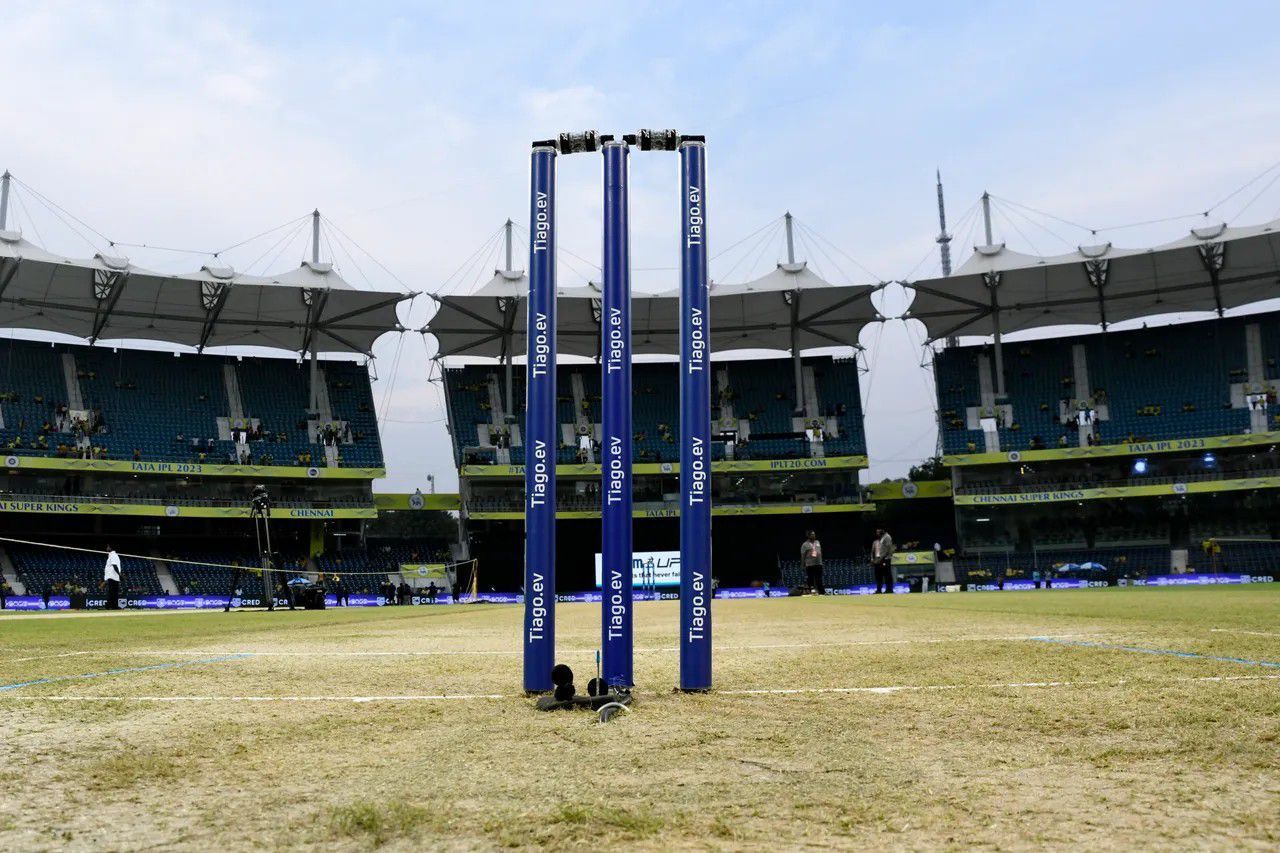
column 811, row 559
column 111, row 574
column 882, row 561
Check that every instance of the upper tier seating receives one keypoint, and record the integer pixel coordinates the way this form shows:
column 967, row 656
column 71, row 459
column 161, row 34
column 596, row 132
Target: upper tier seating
column 762, row 392
column 1158, row 383
column 156, row 406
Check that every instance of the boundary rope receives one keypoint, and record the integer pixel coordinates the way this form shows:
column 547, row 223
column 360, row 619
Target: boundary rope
column 168, row 560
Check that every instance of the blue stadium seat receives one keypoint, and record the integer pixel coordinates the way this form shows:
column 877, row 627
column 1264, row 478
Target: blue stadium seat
column 42, row 569
column 763, row 392
column 1158, row 383
column 148, row 399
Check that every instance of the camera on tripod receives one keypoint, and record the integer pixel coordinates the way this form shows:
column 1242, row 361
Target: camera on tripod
column 260, row 501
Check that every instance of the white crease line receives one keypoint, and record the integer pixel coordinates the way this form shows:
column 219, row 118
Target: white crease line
column 904, row 688
column 44, row 657
column 513, row 652
column 439, row 697
column 795, row 691
column 907, row 688
column 309, row 654
column 1240, row 631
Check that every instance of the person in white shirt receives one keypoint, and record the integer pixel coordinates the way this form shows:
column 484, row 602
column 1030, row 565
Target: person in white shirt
column 811, row 559
column 111, row 574
column 882, row 561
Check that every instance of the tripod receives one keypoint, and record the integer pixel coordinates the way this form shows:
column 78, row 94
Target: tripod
column 260, row 512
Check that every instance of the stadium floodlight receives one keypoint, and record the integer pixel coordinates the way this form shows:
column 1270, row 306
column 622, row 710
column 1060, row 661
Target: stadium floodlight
column 1140, row 466
column 1210, row 460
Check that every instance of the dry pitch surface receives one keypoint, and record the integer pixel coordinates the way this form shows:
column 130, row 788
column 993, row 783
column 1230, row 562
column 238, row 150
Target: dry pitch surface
column 917, row 722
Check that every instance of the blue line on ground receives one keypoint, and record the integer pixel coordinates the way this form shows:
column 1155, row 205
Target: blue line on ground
column 123, row 670
column 1167, row 652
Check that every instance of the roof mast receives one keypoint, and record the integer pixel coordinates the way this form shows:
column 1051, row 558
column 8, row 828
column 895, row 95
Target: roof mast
column 4, row 200
column 315, row 367
column 944, row 239
column 315, row 236
column 993, row 281
column 986, row 215
column 944, row 247
column 796, row 366
column 508, row 339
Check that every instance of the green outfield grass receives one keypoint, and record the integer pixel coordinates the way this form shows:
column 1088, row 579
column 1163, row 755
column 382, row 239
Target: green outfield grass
column 1096, row 718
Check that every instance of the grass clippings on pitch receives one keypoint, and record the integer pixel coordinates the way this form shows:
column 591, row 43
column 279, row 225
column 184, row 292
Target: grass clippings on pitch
column 960, row 729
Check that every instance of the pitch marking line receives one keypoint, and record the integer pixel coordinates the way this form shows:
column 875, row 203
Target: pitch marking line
column 53, row 679
column 795, row 691
column 429, row 697
column 798, row 691
column 47, row 657
column 1241, row 631
column 508, row 653
column 1165, row 652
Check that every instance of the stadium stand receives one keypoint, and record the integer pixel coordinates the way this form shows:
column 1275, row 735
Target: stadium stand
column 42, row 569
column 1156, row 383
column 837, row 573
column 153, row 406
column 760, row 392
column 380, row 556
column 60, row 571
column 990, row 567
column 192, row 579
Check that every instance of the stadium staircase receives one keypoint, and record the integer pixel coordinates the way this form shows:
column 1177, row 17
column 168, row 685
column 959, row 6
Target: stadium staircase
column 164, row 577
column 71, row 380
column 231, row 385
column 323, row 405
column 10, row 574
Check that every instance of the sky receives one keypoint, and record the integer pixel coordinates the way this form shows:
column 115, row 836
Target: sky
column 195, row 127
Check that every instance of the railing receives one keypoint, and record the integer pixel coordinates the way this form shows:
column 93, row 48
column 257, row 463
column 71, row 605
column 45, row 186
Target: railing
column 200, row 502
column 1053, row 485
column 488, row 504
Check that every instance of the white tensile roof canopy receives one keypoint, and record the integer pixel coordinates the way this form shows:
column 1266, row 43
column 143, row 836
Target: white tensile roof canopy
column 998, row 291
column 310, row 309
column 790, row 308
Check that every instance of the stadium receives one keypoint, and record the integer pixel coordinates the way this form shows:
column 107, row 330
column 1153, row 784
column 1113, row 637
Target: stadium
column 220, row 627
